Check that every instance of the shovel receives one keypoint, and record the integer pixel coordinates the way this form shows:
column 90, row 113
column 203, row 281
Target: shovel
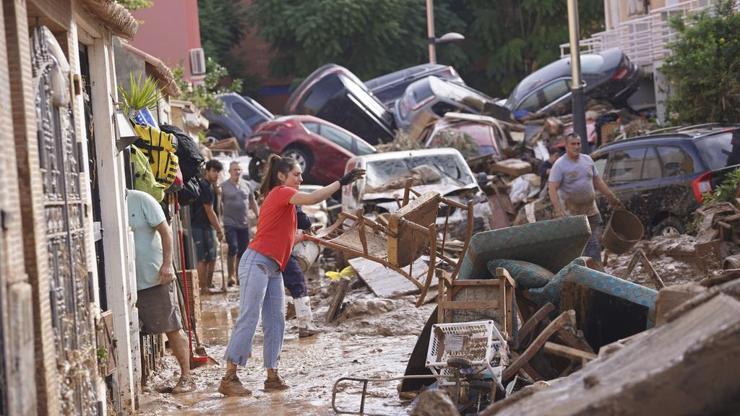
column 199, row 356
column 224, row 285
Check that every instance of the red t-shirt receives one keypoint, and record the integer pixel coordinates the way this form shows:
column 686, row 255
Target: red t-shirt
column 276, row 226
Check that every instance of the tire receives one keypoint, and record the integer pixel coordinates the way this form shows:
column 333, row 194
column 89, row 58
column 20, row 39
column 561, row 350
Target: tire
column 669, row 227
column 255, row 168
column 302, row 156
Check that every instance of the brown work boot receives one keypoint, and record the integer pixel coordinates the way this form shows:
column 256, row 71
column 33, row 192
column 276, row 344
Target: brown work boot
column 232, row 386
column 231, row 281
column 184, row 385
column 275, row 382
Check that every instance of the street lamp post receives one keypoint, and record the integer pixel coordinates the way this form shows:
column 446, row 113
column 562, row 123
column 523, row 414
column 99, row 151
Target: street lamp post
column 432, row 39
column 579, row 107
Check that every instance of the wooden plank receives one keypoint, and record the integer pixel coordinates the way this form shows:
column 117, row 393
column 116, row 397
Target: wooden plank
column 567, row 352
column 470, row 304
column 532, row 322
column 477, row 282
column 387, row 283
column 340, row 291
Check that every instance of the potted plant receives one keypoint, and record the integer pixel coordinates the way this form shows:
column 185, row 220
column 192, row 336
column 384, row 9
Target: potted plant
column 141, row 97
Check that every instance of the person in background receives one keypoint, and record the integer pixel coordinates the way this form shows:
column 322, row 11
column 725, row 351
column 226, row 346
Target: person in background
column 159, row 310
column 572, row 188
column 204, row 223
column 295, row 281
column 260, row 270
column 237, row 199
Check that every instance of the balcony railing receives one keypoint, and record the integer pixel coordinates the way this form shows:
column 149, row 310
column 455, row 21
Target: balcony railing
column 644, row 39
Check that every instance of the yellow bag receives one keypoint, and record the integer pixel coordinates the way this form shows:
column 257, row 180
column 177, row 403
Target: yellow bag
column 159, row 147
column 143, row 177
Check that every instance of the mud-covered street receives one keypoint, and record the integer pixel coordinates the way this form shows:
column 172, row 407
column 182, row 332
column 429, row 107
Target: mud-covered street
column 374, row 339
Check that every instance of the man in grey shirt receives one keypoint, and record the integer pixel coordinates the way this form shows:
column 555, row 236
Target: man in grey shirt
column 572, row 188
column 237, row 198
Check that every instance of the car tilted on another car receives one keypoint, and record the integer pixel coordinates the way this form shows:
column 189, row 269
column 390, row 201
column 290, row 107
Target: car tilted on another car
column 335, row 94
column 609, row 76
column 240, row 117
column 390, row 87
column 320, row 147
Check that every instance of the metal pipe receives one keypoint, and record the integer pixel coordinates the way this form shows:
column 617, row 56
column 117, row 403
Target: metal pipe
column 579, row 107
column 430, row 32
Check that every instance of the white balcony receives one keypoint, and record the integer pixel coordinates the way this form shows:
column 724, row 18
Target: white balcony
column 643, row 39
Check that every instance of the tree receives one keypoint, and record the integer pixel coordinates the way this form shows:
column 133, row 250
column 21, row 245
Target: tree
column 505, row 39
column 368, row 37
column 509, row 39
column 205, row 95
column 703, row 67
column 222, row 26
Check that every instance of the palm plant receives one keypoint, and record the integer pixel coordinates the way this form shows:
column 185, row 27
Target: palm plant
column 142, row 93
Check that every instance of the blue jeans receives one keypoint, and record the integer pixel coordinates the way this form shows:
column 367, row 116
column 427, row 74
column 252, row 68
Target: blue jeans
column 237, row 239
column 205, row 242
column 260, row 289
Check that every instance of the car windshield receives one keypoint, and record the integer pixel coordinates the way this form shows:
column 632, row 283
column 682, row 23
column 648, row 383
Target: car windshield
column 368, row 100
column 715, row 150
column 363, row 148
column 445, row 169
column 456, row 92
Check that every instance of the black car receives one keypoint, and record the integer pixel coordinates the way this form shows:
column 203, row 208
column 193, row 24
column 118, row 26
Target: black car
column 389, row 88
column 240, row 117
column 335, row 94
column 609, row 76
column 661, row 177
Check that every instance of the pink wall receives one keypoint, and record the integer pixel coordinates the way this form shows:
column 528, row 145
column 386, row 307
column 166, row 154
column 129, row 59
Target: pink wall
column 168, row 30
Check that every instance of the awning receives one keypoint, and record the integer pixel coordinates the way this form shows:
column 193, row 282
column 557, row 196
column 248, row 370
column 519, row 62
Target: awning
column 160, row 71
column 114, row 16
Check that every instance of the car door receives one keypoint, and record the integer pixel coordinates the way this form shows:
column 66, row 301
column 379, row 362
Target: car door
column 623, row 175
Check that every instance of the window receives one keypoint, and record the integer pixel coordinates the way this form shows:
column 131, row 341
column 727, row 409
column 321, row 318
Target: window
column 675, row 161
column 337, row 136
column 625, row 165
column 554, row 91
column 244, row 111
column 531, row 103
column 312, row 127
column 716, row 150
column 319, row 94
column 652, row 167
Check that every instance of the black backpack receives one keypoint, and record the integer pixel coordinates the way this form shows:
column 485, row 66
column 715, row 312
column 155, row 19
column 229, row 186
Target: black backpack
column 191, row 161
column 191, row 164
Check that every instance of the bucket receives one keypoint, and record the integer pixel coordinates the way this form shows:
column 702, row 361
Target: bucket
column 622, row 232
column 306, row 252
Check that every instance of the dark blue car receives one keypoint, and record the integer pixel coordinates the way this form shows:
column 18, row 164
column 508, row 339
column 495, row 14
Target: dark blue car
column 661, row 177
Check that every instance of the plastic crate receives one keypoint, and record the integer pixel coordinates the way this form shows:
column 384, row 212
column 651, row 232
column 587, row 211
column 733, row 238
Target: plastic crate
column 479, row 342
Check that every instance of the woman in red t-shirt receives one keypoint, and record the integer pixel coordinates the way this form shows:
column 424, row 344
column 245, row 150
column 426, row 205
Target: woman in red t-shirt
column 260, row 267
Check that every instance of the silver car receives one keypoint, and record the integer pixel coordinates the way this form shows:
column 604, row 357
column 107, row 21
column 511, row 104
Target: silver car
column 441, row 170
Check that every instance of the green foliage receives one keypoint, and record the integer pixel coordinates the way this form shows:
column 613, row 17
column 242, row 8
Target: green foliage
column 368, row 37
column 205, row 95
column 505, row 39
column 223, row 25
column 141, row 93
column 726, row 191
column 703, row 67
column 135, row 4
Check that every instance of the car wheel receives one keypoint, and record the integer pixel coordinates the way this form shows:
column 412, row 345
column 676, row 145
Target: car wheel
column 669, row 227
column 256, row 166
column 301, row 156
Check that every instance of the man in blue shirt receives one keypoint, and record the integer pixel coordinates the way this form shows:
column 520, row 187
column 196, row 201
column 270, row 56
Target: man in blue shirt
column 157, row 302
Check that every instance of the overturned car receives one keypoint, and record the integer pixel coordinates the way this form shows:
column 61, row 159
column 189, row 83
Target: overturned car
column 440, row 170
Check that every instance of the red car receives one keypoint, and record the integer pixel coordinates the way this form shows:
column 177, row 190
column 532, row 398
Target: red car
column 320, row 147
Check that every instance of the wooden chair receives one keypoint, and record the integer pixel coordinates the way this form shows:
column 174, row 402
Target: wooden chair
column 399, row 238
column 486, row 298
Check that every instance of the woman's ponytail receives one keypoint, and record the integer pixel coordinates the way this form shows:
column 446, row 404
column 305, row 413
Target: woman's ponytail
column 270, row 178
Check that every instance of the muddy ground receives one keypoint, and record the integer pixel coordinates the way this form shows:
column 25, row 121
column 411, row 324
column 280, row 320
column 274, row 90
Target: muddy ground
column 374, row 338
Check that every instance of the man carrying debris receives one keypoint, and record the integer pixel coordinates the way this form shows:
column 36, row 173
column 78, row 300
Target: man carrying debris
column 159, row 310
column 203, row 223
column 572, row 188
column 238, row 198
